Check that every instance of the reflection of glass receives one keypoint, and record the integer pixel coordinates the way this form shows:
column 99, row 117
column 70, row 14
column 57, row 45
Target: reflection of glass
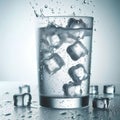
column 64, row 58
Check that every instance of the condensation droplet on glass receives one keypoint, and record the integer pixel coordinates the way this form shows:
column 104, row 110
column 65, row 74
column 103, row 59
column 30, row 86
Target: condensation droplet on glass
column 52, row 11
column 7, row 114
column 30, row 3
column 36, row 4
column 22, row 116
column 36, row 13
column 41, row 10
column 29, row 116
column 46, row 6
column 78, row 114
column 63, row 113
column 84, row 1
column 73, row 13
column 71, row 6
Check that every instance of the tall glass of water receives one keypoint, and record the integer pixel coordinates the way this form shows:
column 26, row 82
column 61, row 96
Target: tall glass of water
column 64, row 45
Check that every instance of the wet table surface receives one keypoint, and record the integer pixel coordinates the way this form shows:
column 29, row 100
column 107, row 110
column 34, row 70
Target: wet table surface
column 9, row 112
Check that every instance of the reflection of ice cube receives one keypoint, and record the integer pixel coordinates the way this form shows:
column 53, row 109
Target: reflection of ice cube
column 27, row 99
column 72, row 89
column 77, row 50
column 73, row 23
column 54, row 63
column 24, row 89
column 94, row 89
column 101, row 103
column 55, row 41
column 109, row 89
column 84, row 87
column 22, row 100
column 78, row 73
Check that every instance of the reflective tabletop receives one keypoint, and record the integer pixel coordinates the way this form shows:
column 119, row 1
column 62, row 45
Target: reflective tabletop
column 34, row 112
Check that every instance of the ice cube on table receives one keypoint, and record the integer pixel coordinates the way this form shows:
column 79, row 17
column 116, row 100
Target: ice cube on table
column 109, row 89
column 77, row 50
column 93, row 89
column 101, row 103
column 22, row 100
column 24, row 89
column 74, row 23
column 78, row 73
column 72, row 89
column 54, row 63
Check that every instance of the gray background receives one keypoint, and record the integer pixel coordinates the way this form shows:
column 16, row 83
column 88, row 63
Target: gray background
column 18, row 44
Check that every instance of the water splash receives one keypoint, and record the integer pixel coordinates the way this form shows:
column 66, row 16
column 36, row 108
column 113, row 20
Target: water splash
column 59, row 8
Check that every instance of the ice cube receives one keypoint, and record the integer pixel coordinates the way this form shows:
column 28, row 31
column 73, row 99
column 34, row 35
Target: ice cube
column 94, row 89
column 24, row 89
column 27, row 99
column 67, row 35
column 44, row 46
column 54, row 63
column 54, row 41
column 109, row 89
column 50, row 30
column 73, row 23
column 69, row 89
column 72, row 89
column 22, row 100
column 101, row 103
column 77, row 50
column 78, row 73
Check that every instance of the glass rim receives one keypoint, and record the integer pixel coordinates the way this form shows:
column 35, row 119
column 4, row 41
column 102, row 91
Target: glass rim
column 66, row 16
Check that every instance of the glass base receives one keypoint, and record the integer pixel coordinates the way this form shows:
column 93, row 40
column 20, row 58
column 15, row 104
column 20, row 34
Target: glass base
column 64, row 102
